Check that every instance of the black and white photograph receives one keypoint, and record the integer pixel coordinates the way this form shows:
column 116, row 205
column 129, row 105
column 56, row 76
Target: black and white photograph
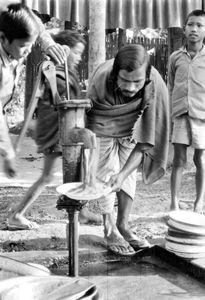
column 101, row 191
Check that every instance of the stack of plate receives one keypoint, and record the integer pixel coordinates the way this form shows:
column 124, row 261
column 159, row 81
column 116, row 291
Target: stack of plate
column 186, row 234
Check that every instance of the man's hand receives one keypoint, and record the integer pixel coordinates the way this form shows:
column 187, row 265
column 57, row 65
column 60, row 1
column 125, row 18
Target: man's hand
column 58, row 53
column 9, row 167
column 115, row 182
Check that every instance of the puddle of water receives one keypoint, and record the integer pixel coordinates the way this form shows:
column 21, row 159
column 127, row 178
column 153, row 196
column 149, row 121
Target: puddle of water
column 147, row 278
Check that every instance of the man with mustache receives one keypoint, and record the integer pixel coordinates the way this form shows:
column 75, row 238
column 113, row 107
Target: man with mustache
column 130, row 117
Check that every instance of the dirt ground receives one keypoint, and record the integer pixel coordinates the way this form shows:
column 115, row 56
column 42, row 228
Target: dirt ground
column 156, row 197
column 150, row 201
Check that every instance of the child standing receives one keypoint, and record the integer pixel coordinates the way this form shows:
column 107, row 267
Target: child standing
column 186, row 80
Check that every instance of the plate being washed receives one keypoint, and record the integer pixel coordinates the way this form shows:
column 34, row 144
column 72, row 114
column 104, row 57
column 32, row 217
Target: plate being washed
column 76, row 191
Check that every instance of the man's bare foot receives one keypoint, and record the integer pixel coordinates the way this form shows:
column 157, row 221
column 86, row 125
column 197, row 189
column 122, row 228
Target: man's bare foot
column 117, row 244
column 19, row 222
column 114, row 240
column 87, row 217
column 133, row 239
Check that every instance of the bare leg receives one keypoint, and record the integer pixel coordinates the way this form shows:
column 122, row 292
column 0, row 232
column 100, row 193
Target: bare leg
column 179, row 162
column 86, row 216
column 199, row 160
column 124, row 208
column 17, row 217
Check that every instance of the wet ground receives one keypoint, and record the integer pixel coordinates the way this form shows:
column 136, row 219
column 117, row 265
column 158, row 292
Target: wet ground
column 145, row 279
column 142, row 279
column 146, row 276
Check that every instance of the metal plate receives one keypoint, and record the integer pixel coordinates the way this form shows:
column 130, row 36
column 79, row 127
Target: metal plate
column 185, row 248
column 186, row 241
column 49, row 287
column 188, row 217
column 186, row 227
column 76, row 191
column 189, row 255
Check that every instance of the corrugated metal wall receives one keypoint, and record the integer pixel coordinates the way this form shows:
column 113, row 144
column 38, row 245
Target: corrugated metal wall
column 122, row 13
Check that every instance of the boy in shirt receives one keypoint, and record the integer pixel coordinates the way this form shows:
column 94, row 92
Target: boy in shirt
column 186, row 81
column 19, row 29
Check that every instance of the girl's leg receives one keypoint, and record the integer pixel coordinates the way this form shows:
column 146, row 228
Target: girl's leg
column 199, row 160
column 34, row 191
column 86, row 216
column 179, row 162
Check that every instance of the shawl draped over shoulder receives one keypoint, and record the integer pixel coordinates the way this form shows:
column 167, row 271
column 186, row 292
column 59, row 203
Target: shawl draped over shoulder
column 145, row 118
column 47, row 134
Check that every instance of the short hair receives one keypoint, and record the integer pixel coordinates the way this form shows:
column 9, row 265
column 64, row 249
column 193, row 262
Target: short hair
column 195, row 13
column 18, row 22
column 68, row 37
column 130, row 58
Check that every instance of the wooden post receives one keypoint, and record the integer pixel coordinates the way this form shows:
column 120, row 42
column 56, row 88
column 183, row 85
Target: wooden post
column 175, row 39
column 121, row 38
column 97, row 9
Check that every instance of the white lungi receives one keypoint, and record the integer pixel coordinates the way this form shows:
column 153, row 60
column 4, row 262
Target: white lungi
column 113, row 154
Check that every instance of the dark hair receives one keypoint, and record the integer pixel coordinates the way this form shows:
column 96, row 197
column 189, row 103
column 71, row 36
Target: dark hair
column 18, row 22
column 69, row 38
column 195, row 13
column 130, row 58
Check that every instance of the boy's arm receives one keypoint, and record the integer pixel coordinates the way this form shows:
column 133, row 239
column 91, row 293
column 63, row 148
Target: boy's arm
column 170, row 83
column 50, row 47
column 171, row 75
column 45, row 38
column 6, row 147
